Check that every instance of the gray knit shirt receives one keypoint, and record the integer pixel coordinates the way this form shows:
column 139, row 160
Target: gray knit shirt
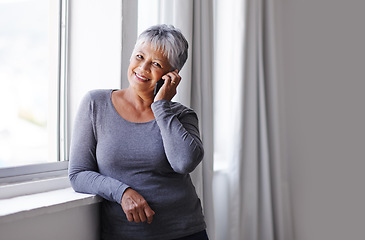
column 109, row 154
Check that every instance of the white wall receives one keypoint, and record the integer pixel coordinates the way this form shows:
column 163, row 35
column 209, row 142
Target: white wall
column 79, row 223
column 322, row 57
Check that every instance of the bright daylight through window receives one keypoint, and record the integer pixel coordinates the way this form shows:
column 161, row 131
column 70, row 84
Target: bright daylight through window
column 29, row 82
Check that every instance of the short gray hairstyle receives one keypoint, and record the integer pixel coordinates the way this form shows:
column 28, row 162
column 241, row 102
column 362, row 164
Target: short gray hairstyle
column 169, row 40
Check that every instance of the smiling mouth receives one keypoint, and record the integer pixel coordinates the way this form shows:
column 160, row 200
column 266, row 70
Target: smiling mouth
column 141, row 77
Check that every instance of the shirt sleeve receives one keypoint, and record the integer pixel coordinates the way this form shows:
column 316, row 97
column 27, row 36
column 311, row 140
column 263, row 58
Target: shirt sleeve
column 180, row 135
column 83, row 167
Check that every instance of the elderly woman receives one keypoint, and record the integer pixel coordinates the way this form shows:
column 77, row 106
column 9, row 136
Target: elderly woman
column 136, row 149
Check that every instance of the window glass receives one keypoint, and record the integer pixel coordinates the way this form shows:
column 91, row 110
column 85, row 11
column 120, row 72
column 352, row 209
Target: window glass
column 28, row 88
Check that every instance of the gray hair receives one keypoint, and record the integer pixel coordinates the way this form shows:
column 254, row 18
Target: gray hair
column 169, row 40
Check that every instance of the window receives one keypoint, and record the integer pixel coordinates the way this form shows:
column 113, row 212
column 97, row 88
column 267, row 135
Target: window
column 31, row 81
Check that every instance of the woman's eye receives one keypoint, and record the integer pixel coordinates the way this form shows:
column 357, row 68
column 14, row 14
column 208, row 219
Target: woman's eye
column 139, row 56
column 157, row 64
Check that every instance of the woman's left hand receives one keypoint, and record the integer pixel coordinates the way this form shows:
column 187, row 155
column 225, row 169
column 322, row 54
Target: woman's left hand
column 168, row 89
column 136, row 207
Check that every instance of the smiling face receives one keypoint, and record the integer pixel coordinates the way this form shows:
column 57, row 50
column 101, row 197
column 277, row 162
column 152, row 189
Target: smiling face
column 146, row 67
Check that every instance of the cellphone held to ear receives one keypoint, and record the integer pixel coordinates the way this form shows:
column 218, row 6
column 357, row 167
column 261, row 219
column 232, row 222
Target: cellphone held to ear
column 158, row 86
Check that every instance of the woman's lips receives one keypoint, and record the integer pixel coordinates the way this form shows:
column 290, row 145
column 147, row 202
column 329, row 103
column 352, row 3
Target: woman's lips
column 142, row 78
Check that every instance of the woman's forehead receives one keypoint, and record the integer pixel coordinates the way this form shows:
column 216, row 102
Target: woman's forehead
column 151, row 49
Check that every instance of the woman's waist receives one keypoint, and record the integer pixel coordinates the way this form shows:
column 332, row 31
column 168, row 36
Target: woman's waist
column 173, row 193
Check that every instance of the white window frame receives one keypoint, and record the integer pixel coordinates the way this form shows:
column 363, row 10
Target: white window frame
column 17, row 174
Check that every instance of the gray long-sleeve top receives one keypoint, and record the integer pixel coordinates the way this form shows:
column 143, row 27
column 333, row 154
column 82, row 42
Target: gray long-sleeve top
column 109, row 154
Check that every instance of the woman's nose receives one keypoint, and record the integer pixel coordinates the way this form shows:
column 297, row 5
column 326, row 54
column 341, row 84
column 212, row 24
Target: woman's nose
column 145, row 66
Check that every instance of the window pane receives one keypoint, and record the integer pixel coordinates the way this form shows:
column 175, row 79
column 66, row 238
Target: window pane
column 28, row 90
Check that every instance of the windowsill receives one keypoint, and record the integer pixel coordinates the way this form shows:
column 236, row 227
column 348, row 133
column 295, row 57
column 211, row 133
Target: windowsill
column 17, row 208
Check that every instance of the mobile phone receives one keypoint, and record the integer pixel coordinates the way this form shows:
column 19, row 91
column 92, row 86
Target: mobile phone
column 158, row 86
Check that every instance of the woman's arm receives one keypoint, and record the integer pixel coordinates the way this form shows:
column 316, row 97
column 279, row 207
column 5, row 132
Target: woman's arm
column 180, row 134
column 83, row 168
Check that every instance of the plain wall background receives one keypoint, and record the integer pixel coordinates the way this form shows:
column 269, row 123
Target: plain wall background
column 322, row 60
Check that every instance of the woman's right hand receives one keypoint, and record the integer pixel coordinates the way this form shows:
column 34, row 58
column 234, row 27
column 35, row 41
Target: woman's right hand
column 136, row 207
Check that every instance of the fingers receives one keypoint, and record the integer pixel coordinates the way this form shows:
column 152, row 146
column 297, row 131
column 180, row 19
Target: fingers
column 172, row 78
column 129, row 217
column 136, row 207
column 168, row 89
column 149, row 214
column 145, row 215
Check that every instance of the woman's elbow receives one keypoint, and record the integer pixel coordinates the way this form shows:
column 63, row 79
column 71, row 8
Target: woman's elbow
column 186, row 167
column 74, row 181
column 72, row 178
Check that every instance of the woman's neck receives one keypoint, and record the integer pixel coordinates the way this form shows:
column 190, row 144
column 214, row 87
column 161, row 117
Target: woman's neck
column 131, row 106
column 139, row 100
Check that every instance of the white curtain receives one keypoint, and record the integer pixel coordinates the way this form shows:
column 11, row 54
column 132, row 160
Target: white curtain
column 195, row 20
column 259, row 205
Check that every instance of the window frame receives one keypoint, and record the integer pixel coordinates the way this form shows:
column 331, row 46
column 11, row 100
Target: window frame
column 18, row 174
column 31, row 172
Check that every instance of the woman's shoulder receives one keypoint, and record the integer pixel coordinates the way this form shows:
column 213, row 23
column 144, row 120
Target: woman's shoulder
column 98, row 93
column 96, row 97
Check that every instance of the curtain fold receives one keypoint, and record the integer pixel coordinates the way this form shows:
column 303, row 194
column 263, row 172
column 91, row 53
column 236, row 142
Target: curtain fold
column 202, row 99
